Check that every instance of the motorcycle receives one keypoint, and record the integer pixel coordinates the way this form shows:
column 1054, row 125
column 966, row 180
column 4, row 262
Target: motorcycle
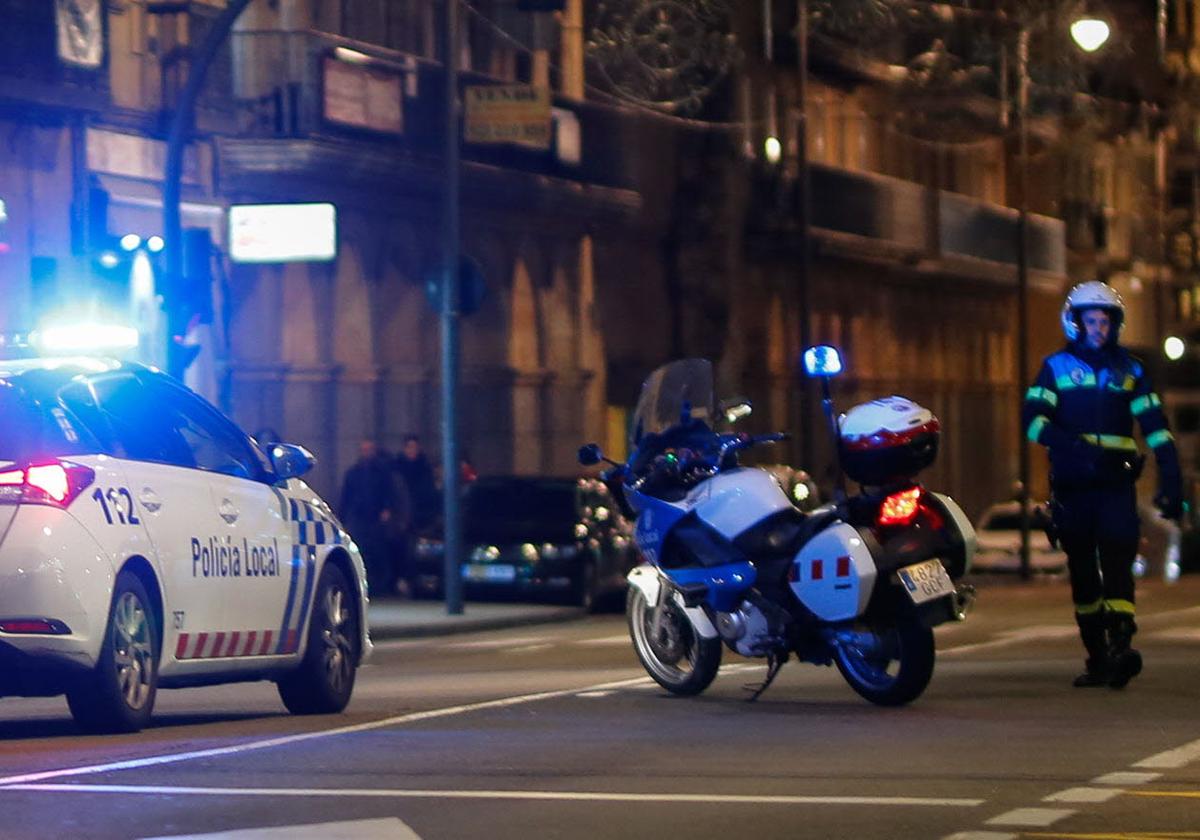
column 730, row 561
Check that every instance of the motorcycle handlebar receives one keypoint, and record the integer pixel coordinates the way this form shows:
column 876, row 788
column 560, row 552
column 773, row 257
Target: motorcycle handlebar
column 688, row 460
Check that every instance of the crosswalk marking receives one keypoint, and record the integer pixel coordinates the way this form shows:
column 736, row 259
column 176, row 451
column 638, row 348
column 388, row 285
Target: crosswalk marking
column 1031, row 817
column 1084, row 794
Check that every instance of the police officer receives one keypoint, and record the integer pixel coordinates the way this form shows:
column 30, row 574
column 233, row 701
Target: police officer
column 1082, row 407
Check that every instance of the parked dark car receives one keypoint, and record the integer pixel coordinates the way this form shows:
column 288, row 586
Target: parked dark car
column 557, row 537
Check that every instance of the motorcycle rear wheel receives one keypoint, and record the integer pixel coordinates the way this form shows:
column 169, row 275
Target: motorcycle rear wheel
column 895, row 668
column 675, row 657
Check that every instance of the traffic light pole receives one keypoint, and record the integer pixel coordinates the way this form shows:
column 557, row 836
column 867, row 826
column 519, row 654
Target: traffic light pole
column 452, row 524
column 181, row 127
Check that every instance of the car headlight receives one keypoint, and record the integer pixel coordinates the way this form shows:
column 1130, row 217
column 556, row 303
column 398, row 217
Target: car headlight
column 484, row 553
column 550, row 551
column 529, row 552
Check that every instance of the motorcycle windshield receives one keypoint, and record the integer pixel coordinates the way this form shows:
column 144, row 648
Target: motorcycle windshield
column 675, row 391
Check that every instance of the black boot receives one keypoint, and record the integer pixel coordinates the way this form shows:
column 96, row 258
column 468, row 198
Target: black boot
column 1126, row 662
column 1099, row 669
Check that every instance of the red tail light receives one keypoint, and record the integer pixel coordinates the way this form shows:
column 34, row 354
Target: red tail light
column 900, row 508
column 56, row 483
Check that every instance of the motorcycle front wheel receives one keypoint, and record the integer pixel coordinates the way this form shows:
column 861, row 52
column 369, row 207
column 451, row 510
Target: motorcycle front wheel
column 889, row 666
column 668, row 646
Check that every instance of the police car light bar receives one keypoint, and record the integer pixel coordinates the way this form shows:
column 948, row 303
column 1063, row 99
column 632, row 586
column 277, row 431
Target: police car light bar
column 85, row 338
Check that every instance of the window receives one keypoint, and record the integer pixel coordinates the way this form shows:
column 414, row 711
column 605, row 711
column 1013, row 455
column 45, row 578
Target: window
column 29, row 431
column 214, row 443
column 163, row 423
column 138, row 427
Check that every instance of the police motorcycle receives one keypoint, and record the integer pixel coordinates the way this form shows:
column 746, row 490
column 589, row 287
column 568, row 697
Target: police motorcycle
column 859, row 582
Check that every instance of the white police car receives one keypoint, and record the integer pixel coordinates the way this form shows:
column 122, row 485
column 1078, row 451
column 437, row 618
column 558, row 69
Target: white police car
column 146, row 542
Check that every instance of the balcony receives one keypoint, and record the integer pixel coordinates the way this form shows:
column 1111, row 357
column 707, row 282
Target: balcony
column 312, row 103
column 31, row 72
column 862, row 214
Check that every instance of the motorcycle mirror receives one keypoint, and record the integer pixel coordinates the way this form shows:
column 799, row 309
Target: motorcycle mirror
column 736, row 408
column 822, row 361
column 590, row 454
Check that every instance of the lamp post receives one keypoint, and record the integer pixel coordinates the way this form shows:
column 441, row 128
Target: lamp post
column 452, row 522
column 804, row 204
column 1089, row 33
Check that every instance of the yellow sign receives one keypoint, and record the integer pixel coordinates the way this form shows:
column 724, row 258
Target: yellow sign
column 518, row 114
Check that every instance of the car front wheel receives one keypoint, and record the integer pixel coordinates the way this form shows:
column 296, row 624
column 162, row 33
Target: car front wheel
column 325, row 679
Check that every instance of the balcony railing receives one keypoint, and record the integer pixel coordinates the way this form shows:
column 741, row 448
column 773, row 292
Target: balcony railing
column 909, row 220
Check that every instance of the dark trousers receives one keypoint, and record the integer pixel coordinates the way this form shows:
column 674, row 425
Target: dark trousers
column 1099, row 531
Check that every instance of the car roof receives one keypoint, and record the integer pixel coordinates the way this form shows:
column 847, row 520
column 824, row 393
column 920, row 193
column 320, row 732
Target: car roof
column 45, row 373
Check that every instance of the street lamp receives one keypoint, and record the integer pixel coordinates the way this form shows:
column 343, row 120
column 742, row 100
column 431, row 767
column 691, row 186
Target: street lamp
column 1174, row 347
column 1090, row 33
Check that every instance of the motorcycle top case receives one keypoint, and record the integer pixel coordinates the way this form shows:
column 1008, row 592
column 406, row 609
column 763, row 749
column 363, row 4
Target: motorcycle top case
column 887, row 440
column 833, row 574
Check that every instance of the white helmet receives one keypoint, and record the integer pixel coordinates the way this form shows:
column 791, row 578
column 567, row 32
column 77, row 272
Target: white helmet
column 1092, row 295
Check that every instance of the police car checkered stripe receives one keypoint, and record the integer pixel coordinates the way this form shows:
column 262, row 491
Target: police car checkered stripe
column 311, row 530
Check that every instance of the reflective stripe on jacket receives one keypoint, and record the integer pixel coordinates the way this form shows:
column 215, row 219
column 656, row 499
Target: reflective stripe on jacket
column 1073, row 402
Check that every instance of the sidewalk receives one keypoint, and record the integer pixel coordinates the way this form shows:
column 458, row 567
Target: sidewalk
column 393, row 618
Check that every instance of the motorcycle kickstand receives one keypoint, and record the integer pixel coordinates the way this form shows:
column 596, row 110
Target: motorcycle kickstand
column 774, row 665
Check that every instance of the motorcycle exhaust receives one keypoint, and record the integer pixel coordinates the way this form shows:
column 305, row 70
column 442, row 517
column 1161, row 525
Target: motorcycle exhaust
column 964, row 600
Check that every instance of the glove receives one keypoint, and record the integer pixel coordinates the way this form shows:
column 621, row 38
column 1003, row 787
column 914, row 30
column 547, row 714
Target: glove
column 1170, row 506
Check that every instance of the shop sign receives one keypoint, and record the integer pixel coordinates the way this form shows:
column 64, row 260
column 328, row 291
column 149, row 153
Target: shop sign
column 363, row 96
column 281, row 233
column 517, row 114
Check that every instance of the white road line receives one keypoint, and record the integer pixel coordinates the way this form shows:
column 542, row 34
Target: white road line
column 1168, row 614
column 1172, row 759
column 544, row 795
column 605, row 641
column 981, row 835
column 1031, row 817
column 1084, row 794
column 493, row 644
column 237, row 749
column 1125, row 777
column 593, row 694
column 389, row 828
column 1177, row 634
column 1012, row 637
column 283, row 740
column 527, row 648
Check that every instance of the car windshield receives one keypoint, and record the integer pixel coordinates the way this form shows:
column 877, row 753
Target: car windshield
column 671, row 392
column 30, row 430
column 520, row 510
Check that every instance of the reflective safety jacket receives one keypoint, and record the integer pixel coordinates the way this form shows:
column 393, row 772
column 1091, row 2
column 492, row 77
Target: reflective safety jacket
column 1082, row 406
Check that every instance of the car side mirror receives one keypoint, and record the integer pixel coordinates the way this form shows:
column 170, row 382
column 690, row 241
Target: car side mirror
column 590, row 454
column 289, row 460
column 736, row 408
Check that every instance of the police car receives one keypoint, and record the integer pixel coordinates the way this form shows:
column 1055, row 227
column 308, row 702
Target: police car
column 146, row 541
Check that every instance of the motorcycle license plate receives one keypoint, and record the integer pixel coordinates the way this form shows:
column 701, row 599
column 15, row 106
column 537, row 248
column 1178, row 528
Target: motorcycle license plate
column 489, row 572
column 926, row 581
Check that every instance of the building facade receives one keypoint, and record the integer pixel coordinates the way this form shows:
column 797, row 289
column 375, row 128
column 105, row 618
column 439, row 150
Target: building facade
column 648, row 229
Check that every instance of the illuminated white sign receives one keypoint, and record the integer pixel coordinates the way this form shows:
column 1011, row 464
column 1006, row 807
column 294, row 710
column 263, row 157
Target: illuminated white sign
column 278, row 233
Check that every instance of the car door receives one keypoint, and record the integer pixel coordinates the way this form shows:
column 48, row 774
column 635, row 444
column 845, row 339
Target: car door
column 174, row 503
column 251, row 563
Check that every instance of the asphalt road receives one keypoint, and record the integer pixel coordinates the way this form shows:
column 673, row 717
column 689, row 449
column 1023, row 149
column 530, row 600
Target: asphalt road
column 554, row 731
